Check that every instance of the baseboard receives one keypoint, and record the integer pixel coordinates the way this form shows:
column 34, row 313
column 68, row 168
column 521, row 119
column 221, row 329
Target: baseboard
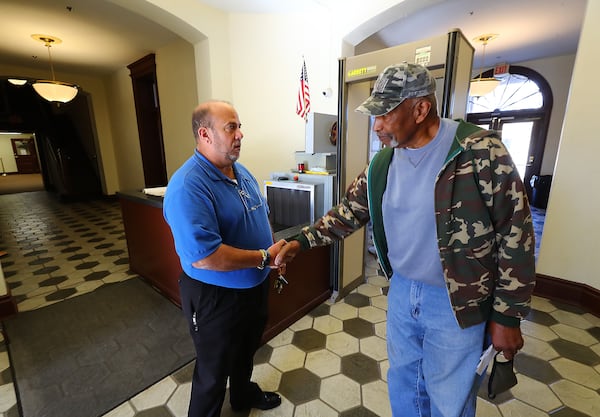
column 568, row 292
column 350, row 287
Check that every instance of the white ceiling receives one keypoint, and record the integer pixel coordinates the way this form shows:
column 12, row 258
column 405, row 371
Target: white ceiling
column 527, row 29
column 99, row 36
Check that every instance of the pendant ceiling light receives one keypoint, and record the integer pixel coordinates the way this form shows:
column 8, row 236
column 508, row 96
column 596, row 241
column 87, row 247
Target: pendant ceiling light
column 17, row 81
column 53, row 90
column 481, row 86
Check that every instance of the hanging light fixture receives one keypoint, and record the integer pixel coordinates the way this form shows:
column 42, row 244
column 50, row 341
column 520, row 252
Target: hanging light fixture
column 53, row 90
column 17, row 81
column 481, row 86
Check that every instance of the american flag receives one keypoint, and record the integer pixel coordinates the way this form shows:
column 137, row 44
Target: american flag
column 303, row 104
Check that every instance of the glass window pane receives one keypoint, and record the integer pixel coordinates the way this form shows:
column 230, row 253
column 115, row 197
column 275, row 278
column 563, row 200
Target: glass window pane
column 516, row 138
column 515, row 92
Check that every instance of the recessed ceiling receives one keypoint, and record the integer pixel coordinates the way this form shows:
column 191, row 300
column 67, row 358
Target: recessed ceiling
column 99, row 36
column 527, row 29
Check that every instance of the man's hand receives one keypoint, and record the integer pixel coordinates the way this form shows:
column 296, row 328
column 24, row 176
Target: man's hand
column 287, row 253
column 508, row 340
column 274, row 250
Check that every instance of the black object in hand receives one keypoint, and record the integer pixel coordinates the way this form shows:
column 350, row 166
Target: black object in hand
column 502, row 377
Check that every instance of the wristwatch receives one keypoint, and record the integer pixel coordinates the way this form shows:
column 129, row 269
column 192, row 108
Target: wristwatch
column 266, row 259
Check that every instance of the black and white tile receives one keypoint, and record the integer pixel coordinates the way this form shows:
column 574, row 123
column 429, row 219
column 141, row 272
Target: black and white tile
column 331, row 362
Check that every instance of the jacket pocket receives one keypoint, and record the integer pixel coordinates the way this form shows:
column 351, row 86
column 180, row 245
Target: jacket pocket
column 470, row 279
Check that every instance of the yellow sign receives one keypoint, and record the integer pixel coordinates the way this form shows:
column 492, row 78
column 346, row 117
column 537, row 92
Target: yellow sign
column 359, row 72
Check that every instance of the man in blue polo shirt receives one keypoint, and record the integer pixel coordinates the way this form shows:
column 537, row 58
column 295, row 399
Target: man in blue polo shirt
column 220, row 226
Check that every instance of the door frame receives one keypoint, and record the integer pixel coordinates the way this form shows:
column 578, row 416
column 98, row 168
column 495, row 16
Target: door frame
column 539, row 116
column 33, row 163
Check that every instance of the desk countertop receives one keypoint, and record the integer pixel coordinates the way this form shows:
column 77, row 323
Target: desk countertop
column 155, row 201
column 140, row 197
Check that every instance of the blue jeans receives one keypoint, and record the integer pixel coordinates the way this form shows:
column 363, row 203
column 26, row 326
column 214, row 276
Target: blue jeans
column 432, row 360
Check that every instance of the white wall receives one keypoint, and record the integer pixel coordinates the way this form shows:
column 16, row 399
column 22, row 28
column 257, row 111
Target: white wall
column 176, row 74
column 557, row 71
column 204, row 27
column 176, row 78
column 254, row 60
column 126, row 143
column 569, row 247
column 193, row 70
column 266, row 55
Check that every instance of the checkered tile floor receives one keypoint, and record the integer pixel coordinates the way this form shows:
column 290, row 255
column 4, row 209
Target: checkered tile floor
column 332, row 362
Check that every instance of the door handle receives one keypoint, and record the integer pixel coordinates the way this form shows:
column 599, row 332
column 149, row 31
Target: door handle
column 530, row 161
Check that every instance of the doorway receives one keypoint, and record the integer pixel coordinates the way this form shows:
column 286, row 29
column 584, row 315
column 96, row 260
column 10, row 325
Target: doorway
column 520, row 109
column 25, row 155
column 517, row 136
column 147, row 109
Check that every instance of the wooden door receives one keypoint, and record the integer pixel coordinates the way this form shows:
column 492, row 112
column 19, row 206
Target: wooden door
column 25, row 155
column 147, row 109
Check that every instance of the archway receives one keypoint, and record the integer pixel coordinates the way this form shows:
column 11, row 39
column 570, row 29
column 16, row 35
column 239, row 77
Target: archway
column 519, row 107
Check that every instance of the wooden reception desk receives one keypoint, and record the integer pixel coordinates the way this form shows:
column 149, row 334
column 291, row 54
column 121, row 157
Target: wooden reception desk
column 152, row 256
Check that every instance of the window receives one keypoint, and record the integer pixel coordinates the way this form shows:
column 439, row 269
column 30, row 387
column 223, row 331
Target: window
column 515, row 92
column 519, row 107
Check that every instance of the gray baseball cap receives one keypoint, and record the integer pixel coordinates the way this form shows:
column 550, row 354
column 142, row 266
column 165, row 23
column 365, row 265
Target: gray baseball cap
column 395, row 84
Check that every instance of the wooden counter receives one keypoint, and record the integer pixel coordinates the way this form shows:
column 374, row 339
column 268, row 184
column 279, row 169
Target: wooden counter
column 150, row 244
column 152, row 256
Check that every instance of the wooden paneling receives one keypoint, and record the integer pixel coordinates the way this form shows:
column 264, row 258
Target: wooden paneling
column 152, row 255
column 151, row 249
column 308, row 278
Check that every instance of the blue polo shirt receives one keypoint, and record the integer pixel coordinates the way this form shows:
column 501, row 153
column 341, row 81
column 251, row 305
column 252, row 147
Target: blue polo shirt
column 205, row 209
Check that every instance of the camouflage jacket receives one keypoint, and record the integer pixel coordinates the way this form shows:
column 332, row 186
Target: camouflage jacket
column 484, row 227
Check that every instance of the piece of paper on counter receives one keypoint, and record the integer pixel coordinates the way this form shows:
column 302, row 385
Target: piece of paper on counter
column 157, row 191
column 486, row 358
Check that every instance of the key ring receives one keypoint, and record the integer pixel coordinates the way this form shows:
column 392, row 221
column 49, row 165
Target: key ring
column 279, row 283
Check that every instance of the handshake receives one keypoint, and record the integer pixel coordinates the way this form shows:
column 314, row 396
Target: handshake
column 282, row 252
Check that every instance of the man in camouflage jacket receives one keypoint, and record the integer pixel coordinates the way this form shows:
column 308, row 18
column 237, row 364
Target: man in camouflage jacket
column 483, row 224
column 486, row 246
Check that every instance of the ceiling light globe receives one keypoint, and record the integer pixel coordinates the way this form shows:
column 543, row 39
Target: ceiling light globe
column 17, row 81
column 55, row 90
column 482, row 86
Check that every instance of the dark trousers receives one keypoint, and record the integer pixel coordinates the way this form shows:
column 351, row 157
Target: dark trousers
column 226, row 326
